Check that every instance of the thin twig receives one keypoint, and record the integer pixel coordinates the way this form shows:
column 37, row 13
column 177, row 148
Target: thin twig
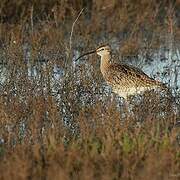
column 32, row 23
column 72, row 29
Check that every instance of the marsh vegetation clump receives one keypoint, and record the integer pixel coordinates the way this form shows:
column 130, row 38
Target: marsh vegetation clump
column 59, row 119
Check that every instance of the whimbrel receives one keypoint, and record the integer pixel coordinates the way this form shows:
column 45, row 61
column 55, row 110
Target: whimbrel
column 124, row 79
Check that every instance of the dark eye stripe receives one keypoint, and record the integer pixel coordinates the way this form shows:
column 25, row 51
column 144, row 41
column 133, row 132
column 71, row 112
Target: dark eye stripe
column 103, row 50
column 100, row 50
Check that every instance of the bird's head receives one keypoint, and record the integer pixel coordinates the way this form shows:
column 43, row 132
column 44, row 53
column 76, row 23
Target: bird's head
column 103, row 50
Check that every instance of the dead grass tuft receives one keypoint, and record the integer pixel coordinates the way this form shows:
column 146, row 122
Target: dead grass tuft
column 57, row 118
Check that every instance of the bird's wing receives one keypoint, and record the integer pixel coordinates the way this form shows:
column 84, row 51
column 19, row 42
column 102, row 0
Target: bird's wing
column 134, row 72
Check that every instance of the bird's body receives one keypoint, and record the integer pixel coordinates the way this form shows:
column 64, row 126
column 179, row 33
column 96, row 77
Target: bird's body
column 124, row 79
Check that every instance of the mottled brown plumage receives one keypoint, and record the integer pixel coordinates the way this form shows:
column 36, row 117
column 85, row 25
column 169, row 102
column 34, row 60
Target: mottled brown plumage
column 124, row 79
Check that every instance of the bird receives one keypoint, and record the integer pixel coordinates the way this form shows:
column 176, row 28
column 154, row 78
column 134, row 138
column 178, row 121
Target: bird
column 125, row 80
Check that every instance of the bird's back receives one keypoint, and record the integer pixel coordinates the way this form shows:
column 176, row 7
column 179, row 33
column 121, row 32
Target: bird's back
column 128, row 80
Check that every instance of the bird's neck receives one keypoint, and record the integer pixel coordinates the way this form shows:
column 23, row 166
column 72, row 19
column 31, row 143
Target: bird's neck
column 105, row 62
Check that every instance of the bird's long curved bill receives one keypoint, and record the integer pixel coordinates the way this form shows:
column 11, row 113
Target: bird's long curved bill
column 90, row 52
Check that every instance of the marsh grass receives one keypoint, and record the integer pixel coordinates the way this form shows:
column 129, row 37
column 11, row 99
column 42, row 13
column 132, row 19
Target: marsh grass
column 58, row 120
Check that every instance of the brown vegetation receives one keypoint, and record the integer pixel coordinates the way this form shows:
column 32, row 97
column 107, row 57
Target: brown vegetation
column 72, row 127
